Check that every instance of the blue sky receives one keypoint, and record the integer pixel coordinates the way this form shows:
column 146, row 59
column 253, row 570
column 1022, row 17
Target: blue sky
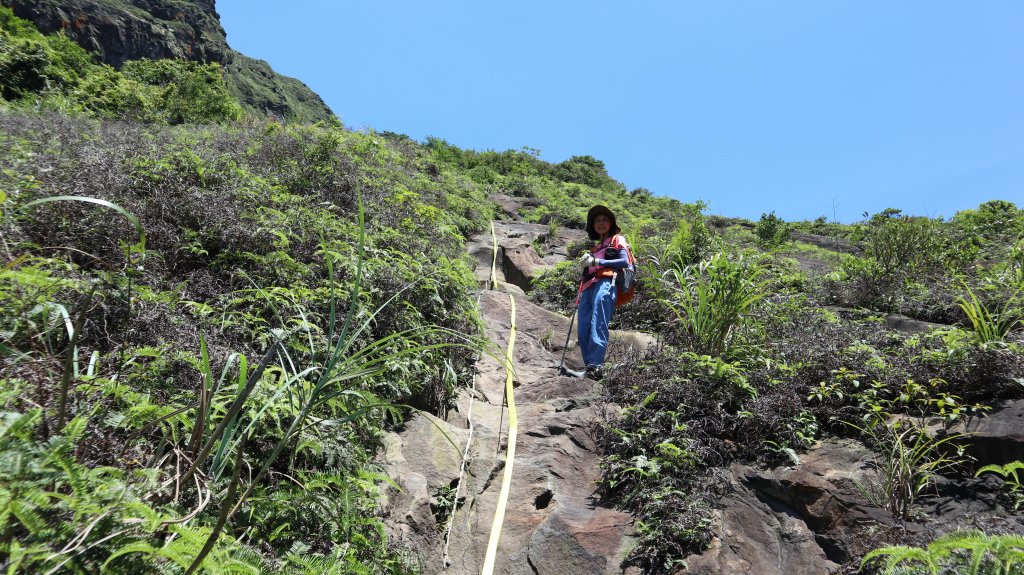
column 751, row 106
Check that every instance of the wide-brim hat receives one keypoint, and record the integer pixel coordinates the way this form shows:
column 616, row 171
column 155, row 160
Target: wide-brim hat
column 592, row 215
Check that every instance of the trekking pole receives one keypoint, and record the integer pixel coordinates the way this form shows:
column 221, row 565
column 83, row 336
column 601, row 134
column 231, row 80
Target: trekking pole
column 568, row 334
column 565, row 348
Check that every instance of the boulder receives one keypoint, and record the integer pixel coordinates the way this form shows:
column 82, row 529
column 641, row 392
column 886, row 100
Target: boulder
column 508, row 204
column 521, row 265
column 999, row 437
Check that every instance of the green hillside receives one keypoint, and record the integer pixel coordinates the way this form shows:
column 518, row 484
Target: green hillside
column 208, row 321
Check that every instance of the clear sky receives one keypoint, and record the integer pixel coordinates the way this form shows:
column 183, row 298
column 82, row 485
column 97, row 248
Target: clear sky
column 751, row 106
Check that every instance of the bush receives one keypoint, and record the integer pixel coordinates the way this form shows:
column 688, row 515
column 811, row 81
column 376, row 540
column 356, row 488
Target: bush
column 772, row 231
column 906, row 247
column 692, row 240
column 244, row 226
column 184, row 92
column 586, row 170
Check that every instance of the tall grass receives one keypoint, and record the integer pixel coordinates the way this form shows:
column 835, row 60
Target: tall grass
column 712, row 300
column 910, row 461
column 991, row 326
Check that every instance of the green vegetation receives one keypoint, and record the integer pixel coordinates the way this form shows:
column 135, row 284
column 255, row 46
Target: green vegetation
column 219, row 385
column 52, row 72
column 772, row 231
column 753, row 369
column 208, row 322
column 966, row 552
column 1011, row 479
column 713, row 302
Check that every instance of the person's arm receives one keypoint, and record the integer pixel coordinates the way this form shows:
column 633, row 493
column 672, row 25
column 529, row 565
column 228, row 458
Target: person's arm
column 621, row 262
column 620, row 255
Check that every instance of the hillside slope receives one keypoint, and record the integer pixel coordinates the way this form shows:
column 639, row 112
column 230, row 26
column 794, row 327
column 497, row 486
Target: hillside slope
column 123, row 30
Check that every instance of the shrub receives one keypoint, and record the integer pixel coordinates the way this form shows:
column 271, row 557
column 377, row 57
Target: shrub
column 62, row 75
column 586, row 170
column 907, row 246
column 243, row 227
column 185, row 92
column 772, row 231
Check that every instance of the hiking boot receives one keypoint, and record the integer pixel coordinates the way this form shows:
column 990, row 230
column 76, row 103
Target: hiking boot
column 595, row 372
column 572, row 373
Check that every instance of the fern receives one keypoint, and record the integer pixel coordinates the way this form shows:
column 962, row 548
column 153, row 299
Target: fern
column 1010, row 477
column 966, row 552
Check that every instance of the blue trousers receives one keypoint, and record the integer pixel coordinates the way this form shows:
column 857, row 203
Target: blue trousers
column 597, row 304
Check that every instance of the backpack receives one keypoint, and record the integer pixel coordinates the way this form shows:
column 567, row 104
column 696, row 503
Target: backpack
column 625, row 279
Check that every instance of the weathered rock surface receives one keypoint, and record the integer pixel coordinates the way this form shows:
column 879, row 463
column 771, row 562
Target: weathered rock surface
column 753, row 537
column 123, row 30
column 812, row 517
column 554, row 522
column 791, row 519
column 893, row 321
column 518, row 261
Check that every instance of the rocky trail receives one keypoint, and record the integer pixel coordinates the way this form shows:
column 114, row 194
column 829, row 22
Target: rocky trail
column 554, row 522
column 805, row 518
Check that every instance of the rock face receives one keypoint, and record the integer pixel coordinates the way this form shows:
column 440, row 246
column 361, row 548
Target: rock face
column 122, row 30
column 813, row 517
column 518, row 261
column 800, row 519
column 554, row 524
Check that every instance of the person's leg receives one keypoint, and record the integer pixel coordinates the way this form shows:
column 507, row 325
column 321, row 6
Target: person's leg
column 584, row 315
column 603, row 307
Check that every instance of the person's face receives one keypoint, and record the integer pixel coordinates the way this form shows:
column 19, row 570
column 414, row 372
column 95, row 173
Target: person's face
column 602, row 225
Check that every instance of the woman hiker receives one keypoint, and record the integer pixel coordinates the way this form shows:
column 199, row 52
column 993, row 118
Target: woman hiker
column 597, row 295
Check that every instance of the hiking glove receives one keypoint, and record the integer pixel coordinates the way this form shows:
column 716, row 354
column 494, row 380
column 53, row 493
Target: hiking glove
column 588, row 260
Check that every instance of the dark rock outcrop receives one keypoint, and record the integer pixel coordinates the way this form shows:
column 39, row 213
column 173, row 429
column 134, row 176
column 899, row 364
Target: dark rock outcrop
column 999, row 437
column 123, row 30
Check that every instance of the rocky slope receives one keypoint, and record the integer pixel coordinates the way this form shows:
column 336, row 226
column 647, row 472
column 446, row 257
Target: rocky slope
column 554, row 522
column 122, row 30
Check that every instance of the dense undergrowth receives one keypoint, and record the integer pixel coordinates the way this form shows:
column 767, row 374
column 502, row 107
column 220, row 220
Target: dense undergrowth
column 251, row 250
column 204, row 339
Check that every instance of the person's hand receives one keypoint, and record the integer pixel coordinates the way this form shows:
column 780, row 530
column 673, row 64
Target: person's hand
column 588, row 260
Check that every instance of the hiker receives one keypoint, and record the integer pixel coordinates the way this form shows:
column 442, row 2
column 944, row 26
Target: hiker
column 597, row 293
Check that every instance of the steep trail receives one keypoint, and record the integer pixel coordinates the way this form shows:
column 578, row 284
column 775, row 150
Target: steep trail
column 554, row 523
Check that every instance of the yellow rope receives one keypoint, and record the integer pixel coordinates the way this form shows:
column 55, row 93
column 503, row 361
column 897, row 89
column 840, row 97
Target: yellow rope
column 506, row 480
column 494, row 259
